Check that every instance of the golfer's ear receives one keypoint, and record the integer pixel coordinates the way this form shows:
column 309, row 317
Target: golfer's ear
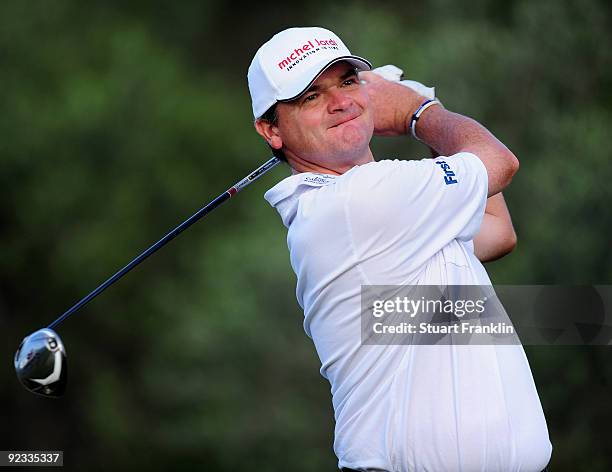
column 270, row 133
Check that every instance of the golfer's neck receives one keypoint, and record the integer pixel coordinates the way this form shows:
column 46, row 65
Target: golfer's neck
column 299, row 165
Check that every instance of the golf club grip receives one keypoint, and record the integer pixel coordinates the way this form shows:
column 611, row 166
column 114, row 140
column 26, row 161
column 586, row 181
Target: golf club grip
column 170, row 236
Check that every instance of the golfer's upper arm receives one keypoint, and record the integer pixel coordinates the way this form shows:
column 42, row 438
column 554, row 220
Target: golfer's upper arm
column 501, row 164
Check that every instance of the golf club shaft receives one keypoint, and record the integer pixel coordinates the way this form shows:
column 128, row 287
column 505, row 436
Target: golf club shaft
column 170, row 236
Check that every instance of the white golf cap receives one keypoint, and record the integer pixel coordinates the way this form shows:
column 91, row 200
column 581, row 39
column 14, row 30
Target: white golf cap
column 285, row 66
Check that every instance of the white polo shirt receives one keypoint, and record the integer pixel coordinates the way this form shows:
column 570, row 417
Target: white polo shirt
column 397, row 407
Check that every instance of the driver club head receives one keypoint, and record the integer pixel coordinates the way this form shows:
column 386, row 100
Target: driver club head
column 40, row 363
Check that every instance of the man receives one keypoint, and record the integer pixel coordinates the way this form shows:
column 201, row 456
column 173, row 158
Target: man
column 353, row 221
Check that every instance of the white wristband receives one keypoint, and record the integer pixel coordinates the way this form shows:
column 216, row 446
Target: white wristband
column 417, row 114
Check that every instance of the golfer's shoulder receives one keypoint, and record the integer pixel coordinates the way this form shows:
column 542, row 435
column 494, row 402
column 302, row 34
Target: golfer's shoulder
column 389, row 167
column 406, row 172
column 412, row 180
column 384, row 173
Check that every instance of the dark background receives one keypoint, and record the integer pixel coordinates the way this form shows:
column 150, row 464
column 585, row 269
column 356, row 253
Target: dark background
column 120, row 119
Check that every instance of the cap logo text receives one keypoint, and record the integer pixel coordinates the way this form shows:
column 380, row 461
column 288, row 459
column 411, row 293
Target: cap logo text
column 304, row 50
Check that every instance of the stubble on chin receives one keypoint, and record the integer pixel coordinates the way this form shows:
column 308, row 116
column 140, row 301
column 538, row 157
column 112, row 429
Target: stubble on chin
column 353, row 135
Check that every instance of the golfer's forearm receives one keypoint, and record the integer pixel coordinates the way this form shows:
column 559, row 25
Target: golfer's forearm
column 496, row 236
column 449, row 133
column 494, row 241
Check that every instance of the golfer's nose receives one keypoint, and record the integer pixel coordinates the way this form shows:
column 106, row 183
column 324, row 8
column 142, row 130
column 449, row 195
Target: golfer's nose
column 339, row 100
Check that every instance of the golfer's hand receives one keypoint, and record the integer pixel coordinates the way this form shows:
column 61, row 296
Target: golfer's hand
column 392, row 104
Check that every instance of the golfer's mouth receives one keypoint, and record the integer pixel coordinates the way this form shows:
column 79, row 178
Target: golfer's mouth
column 346, row 120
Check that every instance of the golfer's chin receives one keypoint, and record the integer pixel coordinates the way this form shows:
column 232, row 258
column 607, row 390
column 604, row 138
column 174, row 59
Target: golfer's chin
column 351, row 138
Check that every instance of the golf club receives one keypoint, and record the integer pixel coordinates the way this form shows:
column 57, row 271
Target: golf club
column 40, row 360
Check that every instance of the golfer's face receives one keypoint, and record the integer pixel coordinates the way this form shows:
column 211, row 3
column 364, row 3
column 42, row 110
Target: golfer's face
column 331, row 123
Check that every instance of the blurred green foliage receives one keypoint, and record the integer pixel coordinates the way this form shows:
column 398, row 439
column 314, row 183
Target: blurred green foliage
column 119, row 119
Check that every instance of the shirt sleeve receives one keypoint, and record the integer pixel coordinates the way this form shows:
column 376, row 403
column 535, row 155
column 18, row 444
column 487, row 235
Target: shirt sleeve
column 420, row 205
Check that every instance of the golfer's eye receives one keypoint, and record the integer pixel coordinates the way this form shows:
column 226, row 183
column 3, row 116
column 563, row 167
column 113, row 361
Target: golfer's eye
column 351, row 81
column 310, row 97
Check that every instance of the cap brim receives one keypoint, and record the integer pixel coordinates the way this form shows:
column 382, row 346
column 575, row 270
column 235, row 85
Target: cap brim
column 298, row 88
